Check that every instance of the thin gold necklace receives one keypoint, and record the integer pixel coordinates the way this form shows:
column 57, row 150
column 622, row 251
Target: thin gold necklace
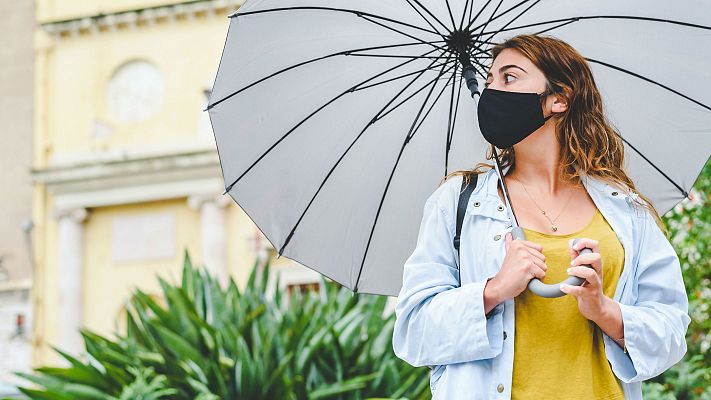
column 553, row 225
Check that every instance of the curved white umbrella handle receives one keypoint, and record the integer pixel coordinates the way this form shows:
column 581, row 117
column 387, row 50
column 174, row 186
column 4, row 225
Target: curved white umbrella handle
column 553, row 290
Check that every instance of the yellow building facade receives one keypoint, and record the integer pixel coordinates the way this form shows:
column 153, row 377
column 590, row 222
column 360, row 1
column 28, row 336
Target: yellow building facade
column 125, row 169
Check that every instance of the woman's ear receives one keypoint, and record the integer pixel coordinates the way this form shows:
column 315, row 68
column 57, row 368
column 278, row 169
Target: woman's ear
column 560, row 101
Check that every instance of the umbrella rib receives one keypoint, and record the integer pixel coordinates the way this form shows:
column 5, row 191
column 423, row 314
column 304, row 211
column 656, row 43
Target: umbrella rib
column 451, row 16
column 644, row 78
column 405, row 34
column 397, row 77
column 482, row 50
column 496, row 17
column 428, row 12
column 408, row 137
column 412, row 95
column 454, row 122
column 328, row 175
column 476, row 50
column 510, row 22
column 350, row 90
column 471, row 11
column 425, row 19
column 433, row 104
column 631, row 17
column 349, row 11
column 483, row 67
column 449, row 131
column 397, row 56
column 485, row 41
column 481, row 10
column 686, row 194
column 478, row 55
column 464, row 13
column 556, row 27
column 339, row 53
column 491, row 18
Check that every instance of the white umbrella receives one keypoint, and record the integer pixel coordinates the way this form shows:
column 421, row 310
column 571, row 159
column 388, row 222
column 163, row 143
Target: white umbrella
column 334, row 120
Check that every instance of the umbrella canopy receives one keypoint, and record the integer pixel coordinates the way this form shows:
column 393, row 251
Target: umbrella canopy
column 334, row 121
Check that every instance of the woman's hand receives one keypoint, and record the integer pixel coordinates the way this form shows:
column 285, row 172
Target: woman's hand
column 523, row 262
column 592, row 302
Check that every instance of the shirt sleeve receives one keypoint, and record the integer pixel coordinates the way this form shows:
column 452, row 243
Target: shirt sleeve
column 438, row 322
column 655, row 325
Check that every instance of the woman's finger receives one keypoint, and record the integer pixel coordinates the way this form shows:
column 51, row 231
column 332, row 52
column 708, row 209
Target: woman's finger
column 540, row 263
column 592, row 259
column 537, row 254
column 586, row 273
column 587, row 242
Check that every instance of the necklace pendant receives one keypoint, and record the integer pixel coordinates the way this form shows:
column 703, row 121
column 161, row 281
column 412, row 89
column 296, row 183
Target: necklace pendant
column 544, row 213
column 555, row 228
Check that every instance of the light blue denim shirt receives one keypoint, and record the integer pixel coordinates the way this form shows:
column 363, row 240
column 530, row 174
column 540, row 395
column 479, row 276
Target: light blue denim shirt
column 441, row 325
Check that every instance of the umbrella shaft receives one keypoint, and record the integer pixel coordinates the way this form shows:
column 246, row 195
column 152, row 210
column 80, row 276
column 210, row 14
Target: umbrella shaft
column 470, row 77
column 512, row 215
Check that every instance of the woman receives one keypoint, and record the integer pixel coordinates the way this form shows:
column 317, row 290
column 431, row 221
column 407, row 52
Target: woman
column 564, row 173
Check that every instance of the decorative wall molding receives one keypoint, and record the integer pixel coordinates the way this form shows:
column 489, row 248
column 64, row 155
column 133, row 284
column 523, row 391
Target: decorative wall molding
column 132, row 180
column 132, row 19
column 22, row 284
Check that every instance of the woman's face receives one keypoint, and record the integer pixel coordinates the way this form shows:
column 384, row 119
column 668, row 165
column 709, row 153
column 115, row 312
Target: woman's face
column 511, row 71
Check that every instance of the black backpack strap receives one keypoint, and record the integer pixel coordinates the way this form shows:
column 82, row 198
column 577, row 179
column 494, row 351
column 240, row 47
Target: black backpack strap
column 464, row 194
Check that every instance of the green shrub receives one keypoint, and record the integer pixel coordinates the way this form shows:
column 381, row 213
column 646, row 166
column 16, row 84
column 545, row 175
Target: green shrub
column 210, row 343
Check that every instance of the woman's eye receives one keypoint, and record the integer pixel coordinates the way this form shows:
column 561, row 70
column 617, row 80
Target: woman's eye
column 507, row 76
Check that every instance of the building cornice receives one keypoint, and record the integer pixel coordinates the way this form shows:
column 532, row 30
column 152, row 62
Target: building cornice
column 132, row 180
column 22, row 284
column 131, row 19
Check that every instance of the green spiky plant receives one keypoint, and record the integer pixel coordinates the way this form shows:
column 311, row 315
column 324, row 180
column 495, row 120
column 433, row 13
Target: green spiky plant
column 209, row 343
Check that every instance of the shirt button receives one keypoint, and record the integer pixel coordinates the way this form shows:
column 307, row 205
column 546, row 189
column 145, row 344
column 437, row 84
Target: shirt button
column 500, row 207
column 477, row 204
column 497, row 237
column 500, row 388
column 614, row 193
column 504, row 335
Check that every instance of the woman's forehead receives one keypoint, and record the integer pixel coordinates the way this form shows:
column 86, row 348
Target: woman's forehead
column 509, row 57
column 512, row 57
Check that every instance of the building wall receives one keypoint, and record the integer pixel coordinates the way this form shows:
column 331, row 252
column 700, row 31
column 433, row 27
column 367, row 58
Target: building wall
column 125, row 166
column 16, row 108
column 16, row 82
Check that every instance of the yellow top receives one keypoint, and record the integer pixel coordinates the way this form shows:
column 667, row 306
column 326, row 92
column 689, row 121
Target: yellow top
column 558, row 353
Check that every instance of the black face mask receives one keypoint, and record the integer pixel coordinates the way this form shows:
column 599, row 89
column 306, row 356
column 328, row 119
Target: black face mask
column 506, row 118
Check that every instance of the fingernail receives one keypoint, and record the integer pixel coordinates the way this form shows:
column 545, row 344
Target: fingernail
column 568, row 270
column 564, row 286
column 572, row 262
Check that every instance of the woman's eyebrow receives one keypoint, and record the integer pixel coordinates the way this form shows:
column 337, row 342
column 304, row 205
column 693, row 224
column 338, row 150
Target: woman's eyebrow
column 505, row 67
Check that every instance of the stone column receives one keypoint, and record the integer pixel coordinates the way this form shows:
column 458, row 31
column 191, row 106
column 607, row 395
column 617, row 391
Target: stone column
column 213, row 233
column 70, row 278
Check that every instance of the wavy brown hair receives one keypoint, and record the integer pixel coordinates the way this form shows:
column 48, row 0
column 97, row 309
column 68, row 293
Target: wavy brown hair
column 589, row 143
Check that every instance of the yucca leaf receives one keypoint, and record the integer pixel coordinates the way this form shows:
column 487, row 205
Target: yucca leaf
column 44, row 395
